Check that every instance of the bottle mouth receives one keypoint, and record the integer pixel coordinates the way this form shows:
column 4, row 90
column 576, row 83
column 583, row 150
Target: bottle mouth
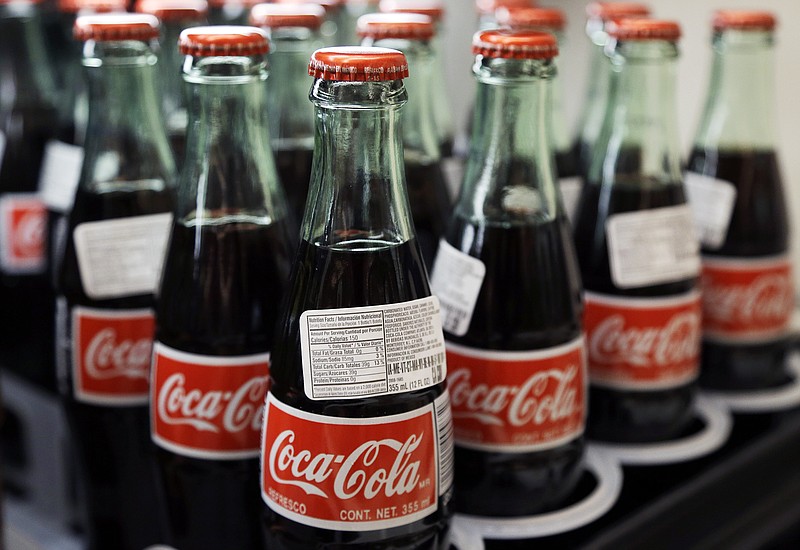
column 358, row 64
column 744, row 20
column 308, row 16
column 406, row 26
column 115, row 27
column 227, row 41
column 519, row 44
column 171, row 10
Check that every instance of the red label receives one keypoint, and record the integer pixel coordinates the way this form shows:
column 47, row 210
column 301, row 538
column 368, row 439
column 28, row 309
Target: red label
column 23, row 219
column 643, row 343
column 111, row 355
column 208, row 407
column 517, row 401
column 350, row 474
column 747, row 300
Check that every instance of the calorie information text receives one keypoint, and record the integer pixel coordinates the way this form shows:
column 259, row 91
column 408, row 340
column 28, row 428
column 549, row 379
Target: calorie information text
column 375, row 350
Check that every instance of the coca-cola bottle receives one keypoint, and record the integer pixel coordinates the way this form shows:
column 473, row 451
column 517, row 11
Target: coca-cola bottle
column 553, row 21
column 637, row 249
column 175, row 15
column 334, row 14
column 428, row 195
column 28, row 120
column 294, row 33
column 508, row 282
column 117, row 233
column 357, row 448
column 442, row 103
column 353, row 9
column 226, row 271
column 229, row 12
column 599, row 16
column 735, row 189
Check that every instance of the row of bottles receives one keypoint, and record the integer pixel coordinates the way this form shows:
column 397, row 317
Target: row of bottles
column 547, row 329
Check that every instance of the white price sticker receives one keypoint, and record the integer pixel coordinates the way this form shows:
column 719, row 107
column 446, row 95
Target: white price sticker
column 456, row 280
column 712, row 203
column 122, row 257
column 61, row 170
column 570, row 193
column 356, row 352
column 650, row 247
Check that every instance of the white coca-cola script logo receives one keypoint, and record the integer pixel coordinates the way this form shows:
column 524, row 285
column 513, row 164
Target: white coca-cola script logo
column 675, row 342
column 766, row 299
column 527, row 403
column 106, row 358
column 30, row 232
column 240, row 410
column 358, row 474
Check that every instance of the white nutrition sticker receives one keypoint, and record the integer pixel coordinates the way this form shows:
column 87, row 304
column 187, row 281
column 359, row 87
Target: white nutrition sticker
column 122, row 257
column 570, row 193
column 456, row 280
column 358, row 352
column 61, row 170
column 712, row 203
column 650, row 247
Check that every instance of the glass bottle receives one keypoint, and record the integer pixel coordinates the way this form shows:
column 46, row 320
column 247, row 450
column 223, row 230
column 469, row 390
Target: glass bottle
column 427, row 190
column 334, row 15
column 117, row 233
column 294, row 34
column 487, row 10
column 359, row 296
column 553, row 21
column 637, row 249
column 175, row 15
column 353, row 9
column 600, row 16
column 28, row 116
column 442, row 104
column 229, row 12
column 735, row 188
column 226, row 271
column 508, row 281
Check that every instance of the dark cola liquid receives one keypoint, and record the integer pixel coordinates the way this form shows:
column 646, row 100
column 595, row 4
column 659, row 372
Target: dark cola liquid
column 219, row 296
column 294, row 170
column 353, row 274
column 619, row 415
column 430, row 206
column 530, row 299
column 566, row 164
column 26, row 300
column 115, row 458
column 582, row 153
column 759, row 226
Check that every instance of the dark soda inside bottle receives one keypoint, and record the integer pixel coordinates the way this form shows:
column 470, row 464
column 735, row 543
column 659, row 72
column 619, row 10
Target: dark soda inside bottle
column 233, row 323
column 525, row 264
column 647, row 415
column 759, row 227
column 430, row 206
column 294, row 170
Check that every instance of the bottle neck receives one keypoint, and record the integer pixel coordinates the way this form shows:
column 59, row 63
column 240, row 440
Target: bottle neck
column 596, row 95
column 172, row 88
column 561, row 137
column 357, row 197
column 25, row 71
column 291, row 114
column 228, row 172
column 126, row 139
column 739, row 111
column 420, row 138
column 510, row 173
column 639, row 142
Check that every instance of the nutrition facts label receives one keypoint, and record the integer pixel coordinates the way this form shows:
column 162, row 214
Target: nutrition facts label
column 376, row 350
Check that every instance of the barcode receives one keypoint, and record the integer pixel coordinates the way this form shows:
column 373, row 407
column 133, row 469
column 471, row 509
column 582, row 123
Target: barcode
column 432, row 362
column 444, row 429
column 452, row 316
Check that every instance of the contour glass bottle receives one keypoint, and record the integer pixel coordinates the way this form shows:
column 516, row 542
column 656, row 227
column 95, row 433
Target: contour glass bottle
column 637, row 249
column 357, row 448
column 734, row 184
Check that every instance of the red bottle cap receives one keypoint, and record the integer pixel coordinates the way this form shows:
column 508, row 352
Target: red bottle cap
column 242, row 3
column 116, row 26
column 432, row 8
column 328, row 5
column 506, row 44
column 358, row 64
column 223, row 40
column 309, row 16
column 613, row 11
column 174, row 10
column 488, row 7
column 95, row 6
column 405, row 26
column 744, row 20
column 526, row 18
column 645, row 29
